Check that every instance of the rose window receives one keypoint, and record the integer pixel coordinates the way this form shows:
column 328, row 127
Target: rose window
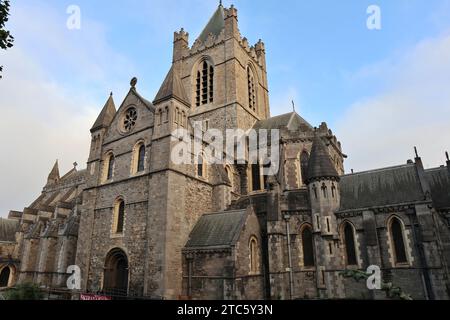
column 130, row 119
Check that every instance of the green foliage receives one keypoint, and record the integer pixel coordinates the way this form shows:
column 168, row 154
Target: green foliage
column 391, row 291
column 6, row 39
column 25, row 291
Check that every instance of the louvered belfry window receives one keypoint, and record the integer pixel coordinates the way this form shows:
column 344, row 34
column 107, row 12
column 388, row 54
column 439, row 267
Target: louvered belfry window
column 251, row 89
column 205, row 84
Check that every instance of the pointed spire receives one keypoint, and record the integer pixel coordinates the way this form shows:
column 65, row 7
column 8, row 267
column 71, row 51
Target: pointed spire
column 54, row 174
column 320, row 165
column 106, row 115
column 215, row 25
column 171, row 88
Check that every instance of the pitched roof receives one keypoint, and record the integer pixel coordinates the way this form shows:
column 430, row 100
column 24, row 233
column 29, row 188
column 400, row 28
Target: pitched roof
column 217, row 230
column 215, row 25
column 320, row 165
column 377, row 188
column 291, row 120
column 8, row 230
column 106, row 115
column 147, row 103
column 171, row 88
column 439, row 182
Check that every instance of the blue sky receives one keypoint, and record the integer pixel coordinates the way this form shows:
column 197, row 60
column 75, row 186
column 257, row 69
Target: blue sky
column 382, row 92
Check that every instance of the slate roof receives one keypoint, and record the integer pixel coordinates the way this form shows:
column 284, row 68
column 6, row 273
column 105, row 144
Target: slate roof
column 171, row 88
column 377, row 188
column 439, row 182
column 291, row 120
column 8, row 230
column 217, row 229
column 106, row 115
column 320, row 165
column 215, row 25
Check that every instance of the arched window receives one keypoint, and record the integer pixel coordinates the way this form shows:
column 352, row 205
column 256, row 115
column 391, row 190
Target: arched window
column 304, row 160
column 349, row 241
column 251, row 89
column 253, row 248
column 166, row 113
column 176, row 115
column 256, row 177
column 159, row 117
column 324, row 190
column 138, row 158
column 110, row 167
column 398, row 241
column 119, row 216
column 315, row 191
column 201, row 166
column 141, row 158
column 204, row 92
column 4, row 277
column 333, row 191
column 307, row 245
column 266, row 173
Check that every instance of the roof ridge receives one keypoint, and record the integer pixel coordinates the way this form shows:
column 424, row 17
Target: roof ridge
column 380, row 169
column 223, row 212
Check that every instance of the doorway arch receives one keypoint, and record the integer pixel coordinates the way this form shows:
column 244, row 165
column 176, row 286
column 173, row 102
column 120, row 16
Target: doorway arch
column 5, row 276
column 116, row 273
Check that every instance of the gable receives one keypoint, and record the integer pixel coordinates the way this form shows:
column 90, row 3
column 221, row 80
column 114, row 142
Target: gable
column 144, row 117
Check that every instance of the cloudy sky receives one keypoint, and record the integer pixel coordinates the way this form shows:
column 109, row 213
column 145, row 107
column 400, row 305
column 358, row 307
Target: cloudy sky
column 381, row 91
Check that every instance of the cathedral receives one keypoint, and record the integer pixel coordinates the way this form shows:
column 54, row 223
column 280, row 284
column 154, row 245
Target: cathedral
column 140, row 226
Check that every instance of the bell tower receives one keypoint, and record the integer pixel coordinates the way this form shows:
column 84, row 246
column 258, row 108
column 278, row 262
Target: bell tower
column 223, row 76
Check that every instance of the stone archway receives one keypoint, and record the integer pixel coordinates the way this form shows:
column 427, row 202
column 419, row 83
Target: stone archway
column 5, row 276
column 116, row 273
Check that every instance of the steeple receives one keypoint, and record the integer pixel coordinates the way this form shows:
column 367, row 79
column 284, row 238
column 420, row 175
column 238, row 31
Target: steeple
column 320, row 165
column 106, row 115
column 53, row 177
column 215, row 25
column 171, row 88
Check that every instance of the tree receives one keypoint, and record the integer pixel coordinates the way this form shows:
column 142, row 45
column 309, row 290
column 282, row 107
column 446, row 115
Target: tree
column 25, row 291
column 6, row 39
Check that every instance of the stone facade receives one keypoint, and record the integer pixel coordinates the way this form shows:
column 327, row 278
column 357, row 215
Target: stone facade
column 140, row 225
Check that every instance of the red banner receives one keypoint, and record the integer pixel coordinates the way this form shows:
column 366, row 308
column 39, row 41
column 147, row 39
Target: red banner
column 93, row 297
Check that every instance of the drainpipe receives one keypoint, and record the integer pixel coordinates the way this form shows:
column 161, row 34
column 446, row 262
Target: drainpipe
column 190, row 259
column 291, row 275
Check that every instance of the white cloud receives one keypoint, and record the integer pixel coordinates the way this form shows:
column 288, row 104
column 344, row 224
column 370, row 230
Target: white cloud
column 39, row 124
column 47, row 98
column 282, row 103
column 413, row 110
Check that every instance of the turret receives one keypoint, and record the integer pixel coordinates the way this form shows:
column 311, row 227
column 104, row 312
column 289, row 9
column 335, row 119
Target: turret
column 53, row 176
column 180, row 45
column 322, row 181
column 322, row 178
column 98, row 131
column 448, row 162
column 231, row 22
